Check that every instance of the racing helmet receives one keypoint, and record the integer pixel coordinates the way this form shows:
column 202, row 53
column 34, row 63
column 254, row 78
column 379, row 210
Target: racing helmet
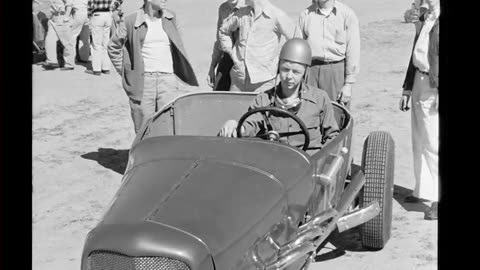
column 296, row 50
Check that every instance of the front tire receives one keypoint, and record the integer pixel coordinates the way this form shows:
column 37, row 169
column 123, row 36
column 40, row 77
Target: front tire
column 378, row 162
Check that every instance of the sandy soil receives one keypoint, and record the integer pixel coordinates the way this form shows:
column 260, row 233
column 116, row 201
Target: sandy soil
column 82, row 131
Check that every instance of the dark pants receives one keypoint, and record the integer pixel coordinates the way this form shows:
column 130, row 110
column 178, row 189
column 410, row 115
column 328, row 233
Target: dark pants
column 222, row 78
column 328, row 77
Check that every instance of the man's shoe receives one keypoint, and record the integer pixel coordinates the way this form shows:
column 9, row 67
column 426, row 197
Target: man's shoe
column 67, row 68
column 97, row 73
column 50, row 66
column 432, row 213
column 106, row 71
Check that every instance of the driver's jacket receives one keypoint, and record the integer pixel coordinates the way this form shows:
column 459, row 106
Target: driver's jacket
column 316, row 111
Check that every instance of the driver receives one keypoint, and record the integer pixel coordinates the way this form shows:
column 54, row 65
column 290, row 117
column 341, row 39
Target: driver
column 310, row 104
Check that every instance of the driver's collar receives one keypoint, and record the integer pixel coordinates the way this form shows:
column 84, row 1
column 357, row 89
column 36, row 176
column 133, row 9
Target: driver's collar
column 305, row 93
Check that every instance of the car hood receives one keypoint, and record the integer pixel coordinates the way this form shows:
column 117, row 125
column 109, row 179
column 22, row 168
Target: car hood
column 215, row 201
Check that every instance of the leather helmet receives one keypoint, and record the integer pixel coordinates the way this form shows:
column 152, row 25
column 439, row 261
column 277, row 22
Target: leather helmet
column 297, row 50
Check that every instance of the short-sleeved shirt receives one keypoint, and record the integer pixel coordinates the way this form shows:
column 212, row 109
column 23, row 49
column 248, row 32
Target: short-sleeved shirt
column 316, row 111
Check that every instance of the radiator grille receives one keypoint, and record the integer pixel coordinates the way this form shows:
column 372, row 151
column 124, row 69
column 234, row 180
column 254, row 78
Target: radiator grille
column 107, row 260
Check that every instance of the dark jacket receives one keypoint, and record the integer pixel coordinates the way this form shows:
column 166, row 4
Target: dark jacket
column 433, row 52
column 125, row 52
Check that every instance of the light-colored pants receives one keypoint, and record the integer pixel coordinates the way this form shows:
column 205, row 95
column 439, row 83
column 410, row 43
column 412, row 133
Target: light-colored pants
column 59, row 30
column 100, row 28
column 80, row 27
column 425, row 138
column 158, row 90
column 243, row 84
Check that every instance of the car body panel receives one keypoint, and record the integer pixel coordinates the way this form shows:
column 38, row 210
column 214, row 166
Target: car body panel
column 231, row 197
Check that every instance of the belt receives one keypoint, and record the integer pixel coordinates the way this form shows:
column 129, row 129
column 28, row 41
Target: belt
column 317, row 62
column 101, row 10
column 423, row 72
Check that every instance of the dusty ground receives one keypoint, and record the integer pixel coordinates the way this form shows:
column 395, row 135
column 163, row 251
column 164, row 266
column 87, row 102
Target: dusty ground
column 82, row 131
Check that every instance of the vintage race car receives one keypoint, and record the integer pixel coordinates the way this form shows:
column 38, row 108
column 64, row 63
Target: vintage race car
column 192, row 200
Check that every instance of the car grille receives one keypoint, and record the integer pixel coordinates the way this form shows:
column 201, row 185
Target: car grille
column 107, row 260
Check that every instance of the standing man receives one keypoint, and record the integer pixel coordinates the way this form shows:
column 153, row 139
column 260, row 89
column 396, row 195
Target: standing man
column 255, row 52
column 100, row 14
column 421, row 84
column 332, row 29
column 59, row 29
column 80, row 27
column 154, row 57
column 221, row 79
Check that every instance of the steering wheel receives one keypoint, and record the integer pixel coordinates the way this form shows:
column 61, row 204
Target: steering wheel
column 271, row 134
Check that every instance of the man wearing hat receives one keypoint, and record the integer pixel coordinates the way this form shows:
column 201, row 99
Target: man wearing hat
column 422, row 87
column 310, row 104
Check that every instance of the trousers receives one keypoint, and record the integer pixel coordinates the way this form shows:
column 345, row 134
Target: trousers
column 80, row 28
column 158, row 90
column 330, row 77
column 100, row 28
column 425, row 138
column 59, row 30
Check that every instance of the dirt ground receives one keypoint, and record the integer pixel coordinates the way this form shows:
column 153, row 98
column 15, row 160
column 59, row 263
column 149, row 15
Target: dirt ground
column 82, row 131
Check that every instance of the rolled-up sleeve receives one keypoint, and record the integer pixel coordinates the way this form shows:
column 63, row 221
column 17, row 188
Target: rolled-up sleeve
column 115, row 47
column 352, row 55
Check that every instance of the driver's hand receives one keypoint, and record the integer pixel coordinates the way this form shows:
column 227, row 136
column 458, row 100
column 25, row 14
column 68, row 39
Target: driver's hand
column 229, row 129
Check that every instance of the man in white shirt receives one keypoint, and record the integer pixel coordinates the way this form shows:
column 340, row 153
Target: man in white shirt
column 421, row 85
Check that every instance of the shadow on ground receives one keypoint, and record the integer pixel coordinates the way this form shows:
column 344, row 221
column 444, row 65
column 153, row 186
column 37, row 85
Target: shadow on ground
column 109, row 158
column 399, row 194
column 349, row 240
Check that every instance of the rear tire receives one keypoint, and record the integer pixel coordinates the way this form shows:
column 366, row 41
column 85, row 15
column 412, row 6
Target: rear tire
column 378, row 162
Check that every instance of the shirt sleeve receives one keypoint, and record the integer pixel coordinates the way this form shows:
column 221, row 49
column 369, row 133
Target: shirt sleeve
column 217, row 52
column 352, row 55
column 115, row 47
column 299, row 31
column 328, row 124
column 255, row 123
column 225, row 31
